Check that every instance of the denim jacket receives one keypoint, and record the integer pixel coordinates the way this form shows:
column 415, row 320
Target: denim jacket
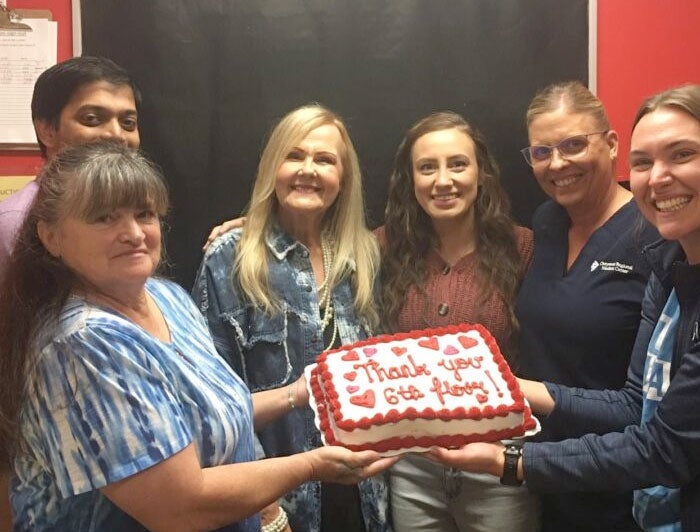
column 272, row 351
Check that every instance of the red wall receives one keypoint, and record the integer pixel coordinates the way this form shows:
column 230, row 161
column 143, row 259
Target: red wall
column 23, row 162
column 644, row 46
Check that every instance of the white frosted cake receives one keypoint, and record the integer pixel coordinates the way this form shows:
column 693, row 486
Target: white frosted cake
column 447, row 386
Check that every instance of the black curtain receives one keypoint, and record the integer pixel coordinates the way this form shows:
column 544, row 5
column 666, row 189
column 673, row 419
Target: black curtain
column 217, row 74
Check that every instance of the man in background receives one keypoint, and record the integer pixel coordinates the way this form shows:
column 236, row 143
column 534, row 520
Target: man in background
column 76, row 101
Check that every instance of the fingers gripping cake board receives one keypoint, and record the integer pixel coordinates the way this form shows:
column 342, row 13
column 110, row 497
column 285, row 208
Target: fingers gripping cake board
column 443, row 387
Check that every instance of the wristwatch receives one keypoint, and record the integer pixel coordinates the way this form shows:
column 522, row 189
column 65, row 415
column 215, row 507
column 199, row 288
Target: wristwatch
column 512, row 453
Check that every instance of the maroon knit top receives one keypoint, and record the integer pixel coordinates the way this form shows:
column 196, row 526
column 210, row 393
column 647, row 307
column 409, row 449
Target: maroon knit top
column 453, row 295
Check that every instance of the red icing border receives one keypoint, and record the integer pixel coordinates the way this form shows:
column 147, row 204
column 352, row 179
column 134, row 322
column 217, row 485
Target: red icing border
column 393, row 416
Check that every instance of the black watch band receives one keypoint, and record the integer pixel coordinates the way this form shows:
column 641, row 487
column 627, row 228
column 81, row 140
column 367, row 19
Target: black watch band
column 512, row 454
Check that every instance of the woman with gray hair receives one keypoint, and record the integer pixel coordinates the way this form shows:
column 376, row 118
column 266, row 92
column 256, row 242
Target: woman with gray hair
column 117, row 413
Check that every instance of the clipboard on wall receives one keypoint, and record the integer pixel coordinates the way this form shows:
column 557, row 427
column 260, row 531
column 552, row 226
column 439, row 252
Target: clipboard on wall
column 28, row 46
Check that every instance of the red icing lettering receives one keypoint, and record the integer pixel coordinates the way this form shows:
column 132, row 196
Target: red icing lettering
column 410, row 393
column 456, row 365
column 429, row 343
column 443, row 388
column 366, row 399
column 374, row 370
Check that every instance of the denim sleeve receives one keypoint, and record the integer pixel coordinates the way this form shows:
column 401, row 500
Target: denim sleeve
column 214, row 294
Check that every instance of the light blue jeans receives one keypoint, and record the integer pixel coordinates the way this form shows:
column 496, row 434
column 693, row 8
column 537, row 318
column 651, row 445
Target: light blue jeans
column 427, row 497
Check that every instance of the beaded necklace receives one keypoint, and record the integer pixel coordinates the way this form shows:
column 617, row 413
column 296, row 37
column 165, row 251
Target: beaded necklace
column 324, row 291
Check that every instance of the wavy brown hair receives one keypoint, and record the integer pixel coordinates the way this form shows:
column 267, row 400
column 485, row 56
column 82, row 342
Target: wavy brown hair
column 410, row 234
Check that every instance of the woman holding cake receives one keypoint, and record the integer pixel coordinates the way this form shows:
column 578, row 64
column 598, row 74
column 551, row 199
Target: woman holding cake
column 580, row 302
column 451, row 254
column 296, row 280
column 117, row 413
column 663, row 377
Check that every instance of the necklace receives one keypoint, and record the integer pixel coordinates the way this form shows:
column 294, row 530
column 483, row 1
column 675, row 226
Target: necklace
column 324, row 291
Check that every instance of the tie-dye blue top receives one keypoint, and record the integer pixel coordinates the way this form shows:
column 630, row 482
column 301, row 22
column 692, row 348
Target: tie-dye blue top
column 110, row 400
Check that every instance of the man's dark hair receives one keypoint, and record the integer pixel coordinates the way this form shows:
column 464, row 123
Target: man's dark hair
column 55, row 86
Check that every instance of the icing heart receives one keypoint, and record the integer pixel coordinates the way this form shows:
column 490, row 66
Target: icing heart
column 398, row 351
column 450, row 350
column 349, row 356
column 369, row 351
column 366, row 399
column 467, row 342
column 352, row 388
column 482, row 398
column 350, row 375
column 430, row 343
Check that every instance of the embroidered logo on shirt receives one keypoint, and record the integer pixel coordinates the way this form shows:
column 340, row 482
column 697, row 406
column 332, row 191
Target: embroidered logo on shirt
column 611, row 266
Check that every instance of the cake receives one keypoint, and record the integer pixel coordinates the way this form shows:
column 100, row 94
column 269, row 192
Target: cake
column 443, row 387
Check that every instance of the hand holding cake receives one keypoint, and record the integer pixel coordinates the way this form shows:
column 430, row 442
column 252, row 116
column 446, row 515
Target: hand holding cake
column 341, row 466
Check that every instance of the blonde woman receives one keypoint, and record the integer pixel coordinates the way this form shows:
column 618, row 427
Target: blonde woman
column 297, row 279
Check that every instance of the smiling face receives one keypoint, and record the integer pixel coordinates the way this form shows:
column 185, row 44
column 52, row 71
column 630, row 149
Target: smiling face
column 665, row 175
column 578, row 181
column 98, row 110
column 309, row 178
column 445, row 176
column 117, row 250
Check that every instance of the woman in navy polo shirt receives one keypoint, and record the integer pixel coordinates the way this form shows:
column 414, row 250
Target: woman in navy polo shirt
column 580, row 302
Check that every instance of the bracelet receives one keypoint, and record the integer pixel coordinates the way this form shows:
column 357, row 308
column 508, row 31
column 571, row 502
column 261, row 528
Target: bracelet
column 290, row 396
column 278, row 524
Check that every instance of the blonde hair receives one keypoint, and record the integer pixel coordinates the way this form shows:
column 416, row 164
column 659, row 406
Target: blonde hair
column 355, row 249
column 573, row 96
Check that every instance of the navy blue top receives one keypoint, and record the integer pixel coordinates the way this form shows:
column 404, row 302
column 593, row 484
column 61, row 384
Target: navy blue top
column 664, row 450
column 578, row 328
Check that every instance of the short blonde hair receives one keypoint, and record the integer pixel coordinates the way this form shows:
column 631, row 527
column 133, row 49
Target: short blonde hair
column 573, row 96
column 356, row 252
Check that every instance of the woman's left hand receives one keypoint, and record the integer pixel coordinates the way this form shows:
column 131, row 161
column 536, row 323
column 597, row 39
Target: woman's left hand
column 473, row 457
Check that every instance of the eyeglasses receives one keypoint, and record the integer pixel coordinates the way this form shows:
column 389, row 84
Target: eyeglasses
column 570, row 147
